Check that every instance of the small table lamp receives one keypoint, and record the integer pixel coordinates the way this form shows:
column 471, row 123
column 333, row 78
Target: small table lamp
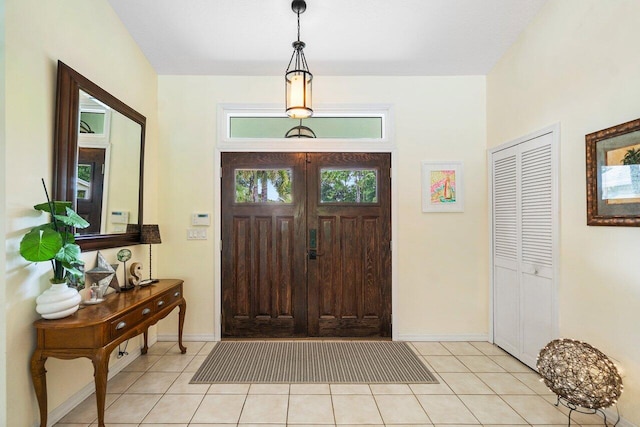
column 150, row 234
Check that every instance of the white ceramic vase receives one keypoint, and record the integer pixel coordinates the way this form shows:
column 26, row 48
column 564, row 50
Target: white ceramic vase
column 58, row 301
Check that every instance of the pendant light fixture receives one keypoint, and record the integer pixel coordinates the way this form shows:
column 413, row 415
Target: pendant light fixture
column 298, row 77
column 300, row 131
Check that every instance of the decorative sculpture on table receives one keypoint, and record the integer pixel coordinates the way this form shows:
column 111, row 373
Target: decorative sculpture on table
column 136, row 274
column 124, row 255
column 104, row 274
column 580, row 375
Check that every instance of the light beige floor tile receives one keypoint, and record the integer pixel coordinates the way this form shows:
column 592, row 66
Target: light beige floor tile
column 390, row 389
column 446, row 364
column 411, row 425
column 87, row 410
column 195, row 363
column 461, row 348
column 488, row 348
column 310, row 409
column 254, row 425
column 178, row 408
column 207, row 347
column 465, row 383
column 491, row 409
column 532, row 380
column 224, row 425
column 309, row 389
column 480, row 364
column 153, row 382
column 131, row 425
column 182, row 386
column 431, row 349
column 355, row 409
column 142, row 363
column 269, row 389
column 577, row 417
column 350, row 389
column 504, row 383
column 171, row 363
column 154, row 425
column 193, row 348
column 460, row 425
column 77, row 425
column 443, row 409
column 511, row 364
column 229, row 389
column 221, row 409
column 265, row 408
column 130, row 408
column 535, row 410
column 401, row 409
column 122, row 381
column 160, row 348
column 440, row 388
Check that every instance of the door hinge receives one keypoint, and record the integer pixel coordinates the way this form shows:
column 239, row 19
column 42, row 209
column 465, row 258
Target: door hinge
column 221, row 245
column 220, row 172
column 390, row 245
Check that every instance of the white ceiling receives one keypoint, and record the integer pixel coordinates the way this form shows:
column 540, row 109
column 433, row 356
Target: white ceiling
column 343, row 37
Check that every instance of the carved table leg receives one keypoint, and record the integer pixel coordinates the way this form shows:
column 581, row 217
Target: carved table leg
column 101, row 370
column 39, row 378
column 183, row 310
column 145, row 348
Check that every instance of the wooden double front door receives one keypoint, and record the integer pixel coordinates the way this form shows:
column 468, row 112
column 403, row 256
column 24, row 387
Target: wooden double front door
column 306, row 244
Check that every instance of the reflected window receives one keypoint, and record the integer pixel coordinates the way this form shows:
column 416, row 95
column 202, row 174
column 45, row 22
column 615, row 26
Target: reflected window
column 84, row 182
column 263, row 186
column 348, row 186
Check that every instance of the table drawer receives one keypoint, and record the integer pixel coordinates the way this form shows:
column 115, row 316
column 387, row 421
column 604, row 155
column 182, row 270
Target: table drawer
column 167, row 298
column 129, row 320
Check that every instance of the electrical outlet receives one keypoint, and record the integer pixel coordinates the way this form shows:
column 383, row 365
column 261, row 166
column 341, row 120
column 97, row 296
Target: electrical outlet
column 196, row 234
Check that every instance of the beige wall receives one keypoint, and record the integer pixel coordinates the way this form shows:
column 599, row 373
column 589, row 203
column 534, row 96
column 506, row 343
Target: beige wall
column 577, row 64
column 442, row 258
column 3, row 165
column 88, row 36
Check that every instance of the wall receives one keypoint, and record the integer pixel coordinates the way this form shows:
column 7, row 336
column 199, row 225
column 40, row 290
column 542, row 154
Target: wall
column 89, row 37
column 577, row 64
column 3, row 165
column 442, row 258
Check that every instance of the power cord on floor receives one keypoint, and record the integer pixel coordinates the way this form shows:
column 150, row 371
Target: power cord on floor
column 123, row 352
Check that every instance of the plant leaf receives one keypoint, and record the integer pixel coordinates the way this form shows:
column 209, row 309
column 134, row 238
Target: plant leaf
column 40, row 244
column 69, row 254
column 59, row 207
column 72, row 219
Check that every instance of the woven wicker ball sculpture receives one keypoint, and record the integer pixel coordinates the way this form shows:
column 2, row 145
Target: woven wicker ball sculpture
column 579, row 373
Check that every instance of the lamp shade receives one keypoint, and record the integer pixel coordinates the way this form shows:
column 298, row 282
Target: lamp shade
column 150, row 234
column 298, row 86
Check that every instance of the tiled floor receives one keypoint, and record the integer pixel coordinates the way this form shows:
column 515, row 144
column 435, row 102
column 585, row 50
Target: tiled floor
column 479, row 385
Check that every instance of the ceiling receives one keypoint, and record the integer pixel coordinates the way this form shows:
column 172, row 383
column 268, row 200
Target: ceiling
column 343, row 37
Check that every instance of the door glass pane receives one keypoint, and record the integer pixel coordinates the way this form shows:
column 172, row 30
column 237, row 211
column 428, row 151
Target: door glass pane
column 263, row 186
column 348, row 186
column 83, row 184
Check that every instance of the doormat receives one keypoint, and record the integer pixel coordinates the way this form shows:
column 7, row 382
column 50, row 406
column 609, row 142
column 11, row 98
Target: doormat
column 368, row 362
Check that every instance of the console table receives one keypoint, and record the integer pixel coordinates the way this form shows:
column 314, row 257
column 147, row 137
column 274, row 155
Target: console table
column 95, row 330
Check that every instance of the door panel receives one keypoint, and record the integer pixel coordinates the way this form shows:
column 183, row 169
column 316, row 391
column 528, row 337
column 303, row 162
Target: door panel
column 263, row 275
column 313, row 263
column 90, row 189
column 350, row 281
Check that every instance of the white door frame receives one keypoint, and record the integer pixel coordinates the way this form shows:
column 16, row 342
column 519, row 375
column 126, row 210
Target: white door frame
column 226, row 144
column 553, row 129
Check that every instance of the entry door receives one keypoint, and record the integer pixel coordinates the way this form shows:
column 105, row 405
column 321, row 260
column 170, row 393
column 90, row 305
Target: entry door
column 524, row 217
column 90, row 187
column 306, row 244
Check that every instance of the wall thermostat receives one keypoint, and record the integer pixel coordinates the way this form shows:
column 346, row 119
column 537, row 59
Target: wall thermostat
column 201, row 219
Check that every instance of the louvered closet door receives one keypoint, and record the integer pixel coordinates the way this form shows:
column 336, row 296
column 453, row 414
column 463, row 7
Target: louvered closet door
column 524, row 203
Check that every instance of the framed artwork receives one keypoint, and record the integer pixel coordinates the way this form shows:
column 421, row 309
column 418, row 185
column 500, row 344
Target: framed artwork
column 442, row 187
column 613, row 175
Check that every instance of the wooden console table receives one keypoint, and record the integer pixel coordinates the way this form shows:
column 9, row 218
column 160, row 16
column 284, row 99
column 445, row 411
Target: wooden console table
column 95, row 330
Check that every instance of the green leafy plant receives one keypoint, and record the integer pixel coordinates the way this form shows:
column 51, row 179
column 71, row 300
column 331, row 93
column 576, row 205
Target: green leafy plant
column 55, row 241
column 632, row 157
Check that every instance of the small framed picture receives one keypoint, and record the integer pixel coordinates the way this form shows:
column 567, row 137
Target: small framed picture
column 442, row 187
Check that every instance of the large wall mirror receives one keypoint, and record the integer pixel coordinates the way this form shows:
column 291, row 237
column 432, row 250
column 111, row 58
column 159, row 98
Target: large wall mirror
column 98, row 161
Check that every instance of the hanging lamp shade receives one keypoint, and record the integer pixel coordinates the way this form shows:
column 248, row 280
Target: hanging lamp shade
column 298, row 78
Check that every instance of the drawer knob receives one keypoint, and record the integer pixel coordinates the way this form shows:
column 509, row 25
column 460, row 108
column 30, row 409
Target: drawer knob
column 177, row 294
column 160, row 303
column 146, row 311
column 121, row 325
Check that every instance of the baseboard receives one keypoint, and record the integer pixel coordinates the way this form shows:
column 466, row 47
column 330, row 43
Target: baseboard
column 193, row 337
column 58, row 413
column 452, row 337
column 612, row 415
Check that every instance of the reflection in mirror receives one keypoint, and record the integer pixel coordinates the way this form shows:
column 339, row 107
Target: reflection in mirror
column 108, row 168
column 99, row 158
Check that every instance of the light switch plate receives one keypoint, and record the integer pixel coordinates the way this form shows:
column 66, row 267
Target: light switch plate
column 196, row 234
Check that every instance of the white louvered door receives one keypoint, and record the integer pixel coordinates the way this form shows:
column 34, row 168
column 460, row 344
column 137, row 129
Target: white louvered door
column 524, row 215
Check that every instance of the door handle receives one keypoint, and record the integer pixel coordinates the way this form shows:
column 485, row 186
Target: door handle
column 313, row 254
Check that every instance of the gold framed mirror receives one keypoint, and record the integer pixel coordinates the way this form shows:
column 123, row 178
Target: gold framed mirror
column 98, row 160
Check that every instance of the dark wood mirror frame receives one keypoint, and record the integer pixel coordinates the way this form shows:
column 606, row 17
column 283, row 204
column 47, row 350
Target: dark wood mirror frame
column 65, row 152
